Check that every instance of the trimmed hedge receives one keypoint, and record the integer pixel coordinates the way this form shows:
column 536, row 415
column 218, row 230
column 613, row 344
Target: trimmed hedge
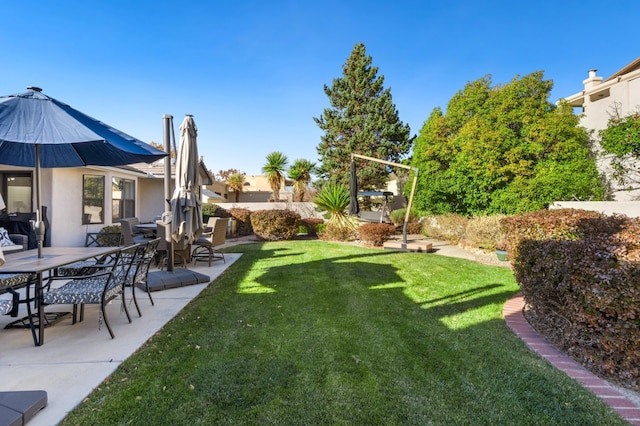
column 275, row 225
column 375, row 234
column 580, row 276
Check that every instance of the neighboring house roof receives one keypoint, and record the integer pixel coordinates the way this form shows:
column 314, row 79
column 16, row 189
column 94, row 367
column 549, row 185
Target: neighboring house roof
column 626, row 69
column 212, row 195
column 156, row 170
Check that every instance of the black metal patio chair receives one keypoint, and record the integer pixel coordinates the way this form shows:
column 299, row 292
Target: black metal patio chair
column 98, row 288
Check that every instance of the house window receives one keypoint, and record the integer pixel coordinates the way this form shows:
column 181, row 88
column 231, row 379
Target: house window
column 123, row 198
column 92, row 199
column 17, row 192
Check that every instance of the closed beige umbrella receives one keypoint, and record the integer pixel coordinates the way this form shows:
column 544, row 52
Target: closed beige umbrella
column 186, row 207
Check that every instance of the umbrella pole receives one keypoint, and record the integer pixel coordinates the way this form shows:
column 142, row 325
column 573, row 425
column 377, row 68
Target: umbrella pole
column 168, row 121
column 39, row 225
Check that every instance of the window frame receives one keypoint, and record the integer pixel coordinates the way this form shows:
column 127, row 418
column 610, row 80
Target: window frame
column 122, row 207
column 87, row 217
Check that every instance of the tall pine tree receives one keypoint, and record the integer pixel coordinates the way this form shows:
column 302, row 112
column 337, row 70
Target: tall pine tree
column 362, row 120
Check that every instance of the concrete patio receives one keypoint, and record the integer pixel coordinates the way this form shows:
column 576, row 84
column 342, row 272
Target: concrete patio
column 75, row 359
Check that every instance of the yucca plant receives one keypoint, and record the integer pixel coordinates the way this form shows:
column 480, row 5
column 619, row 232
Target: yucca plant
column 274, row 170
column 334, row 198
column 300, row 172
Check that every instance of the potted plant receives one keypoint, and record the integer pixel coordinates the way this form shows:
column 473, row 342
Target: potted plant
column 501, row 250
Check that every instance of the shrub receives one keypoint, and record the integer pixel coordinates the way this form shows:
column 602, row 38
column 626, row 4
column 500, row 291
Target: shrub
column 485, row 232
column 311, row 224
column 580, row 276
column 243, row 220
column 414, row 226
column 397, row 216
column 334, row 198
column 212, row 210
column 331, row 232
column 375, row 234
column 109, row 236
column 449, row 227
column 275, row 225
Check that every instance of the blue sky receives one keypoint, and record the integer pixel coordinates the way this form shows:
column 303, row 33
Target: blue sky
column 252, row 72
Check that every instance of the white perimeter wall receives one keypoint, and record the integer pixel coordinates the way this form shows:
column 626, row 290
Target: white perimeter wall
column 628, row 208
column 305, row 209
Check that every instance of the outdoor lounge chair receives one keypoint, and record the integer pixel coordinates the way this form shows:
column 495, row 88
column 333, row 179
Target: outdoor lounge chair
column 98, row 288
column 128, row 227
column 206, row 245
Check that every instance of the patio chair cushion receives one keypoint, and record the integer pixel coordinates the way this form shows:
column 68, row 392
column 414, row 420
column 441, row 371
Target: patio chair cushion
column 6, row 305
column 14, row 280
column 5, row 241
column 86, row 290
column 8, row 283
column 86, row 267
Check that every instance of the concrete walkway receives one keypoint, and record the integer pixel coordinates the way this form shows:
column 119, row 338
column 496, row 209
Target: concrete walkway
column 75, row 359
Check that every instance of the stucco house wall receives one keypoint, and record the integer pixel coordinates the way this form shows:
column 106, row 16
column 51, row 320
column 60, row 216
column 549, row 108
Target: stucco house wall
column 62, row 195
column 600, row 98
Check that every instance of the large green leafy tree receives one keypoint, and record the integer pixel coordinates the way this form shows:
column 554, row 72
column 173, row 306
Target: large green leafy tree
column 621, row 141
column 363, row 120
column 503, row 149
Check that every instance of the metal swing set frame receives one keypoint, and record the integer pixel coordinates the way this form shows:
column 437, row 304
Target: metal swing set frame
column 413, row 190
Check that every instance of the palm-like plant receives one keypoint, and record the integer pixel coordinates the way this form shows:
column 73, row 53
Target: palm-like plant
column 274, row 169
column 334, row 198
column 236, row 182
column 300, row 173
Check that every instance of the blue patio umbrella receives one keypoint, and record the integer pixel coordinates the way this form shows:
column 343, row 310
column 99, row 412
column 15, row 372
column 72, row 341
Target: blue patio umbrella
column 39, row 131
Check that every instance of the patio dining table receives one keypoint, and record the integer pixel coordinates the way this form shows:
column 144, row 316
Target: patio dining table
column 28, row 262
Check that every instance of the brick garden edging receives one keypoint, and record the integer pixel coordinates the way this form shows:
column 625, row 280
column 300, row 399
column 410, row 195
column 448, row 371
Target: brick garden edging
column 626, row 407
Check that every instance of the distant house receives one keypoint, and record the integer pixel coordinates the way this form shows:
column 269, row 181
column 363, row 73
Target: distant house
column 85, row 199
column 215, row 192
column 600, row 98
column 257, row 190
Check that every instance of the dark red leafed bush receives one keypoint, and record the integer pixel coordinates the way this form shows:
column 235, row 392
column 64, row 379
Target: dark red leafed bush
column 375, row 234
column 275, row 225
column 580, row 276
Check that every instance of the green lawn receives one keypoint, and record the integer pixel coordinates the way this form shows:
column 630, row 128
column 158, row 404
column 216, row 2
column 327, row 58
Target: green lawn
column 314, row 333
